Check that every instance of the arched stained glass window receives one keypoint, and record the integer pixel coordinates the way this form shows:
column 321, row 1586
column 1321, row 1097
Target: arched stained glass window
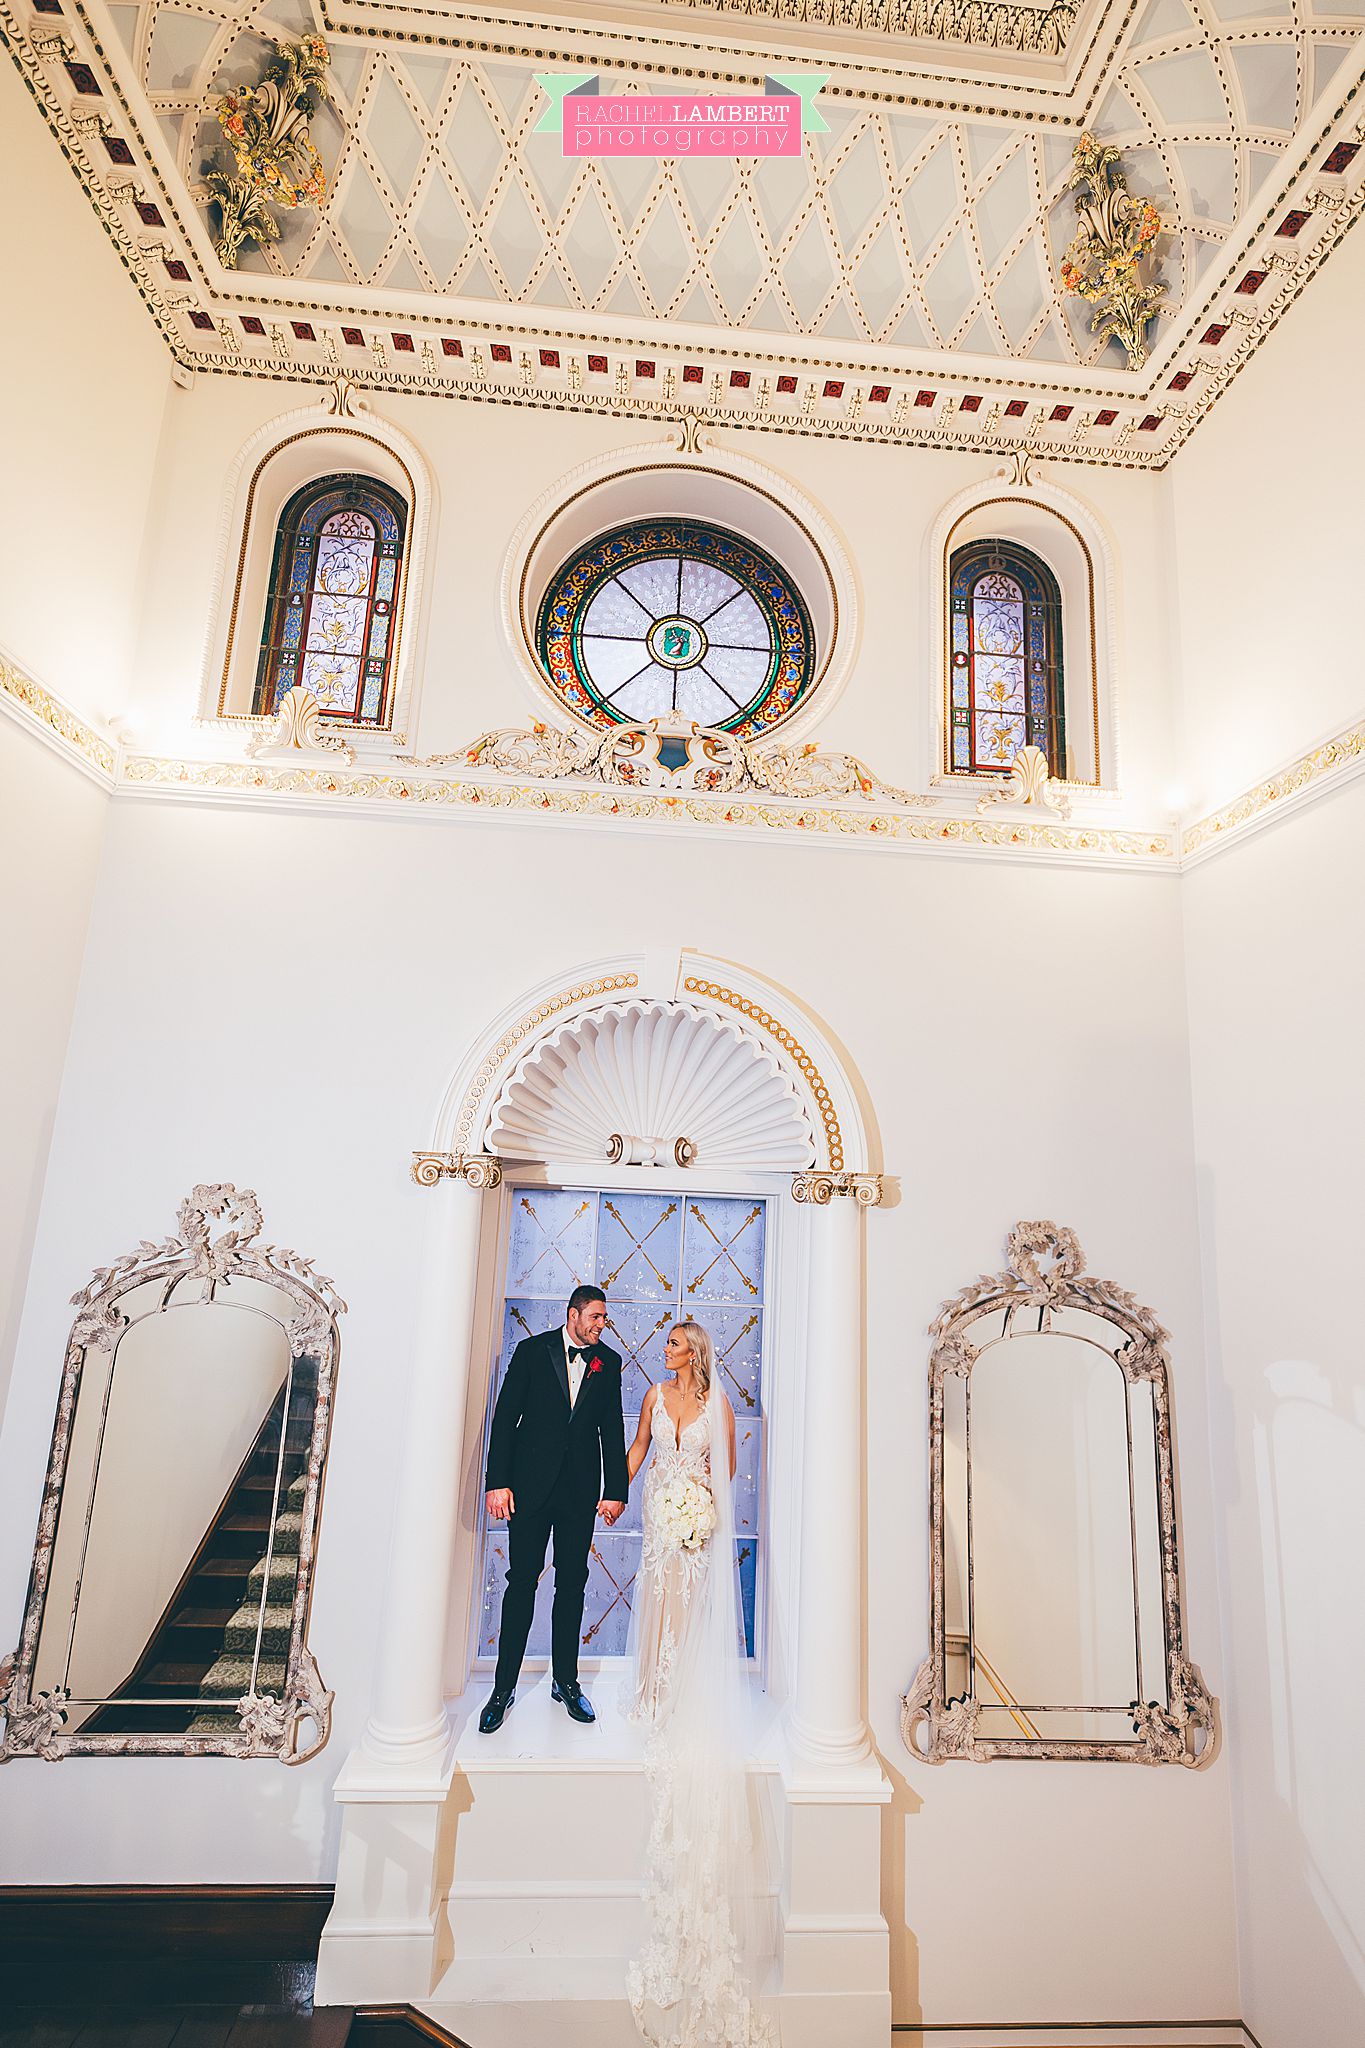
column 334, row 584
column 1005, row 659
column 671, row 615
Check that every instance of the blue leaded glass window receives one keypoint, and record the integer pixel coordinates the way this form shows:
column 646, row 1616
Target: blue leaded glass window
column 334, row 588
column 671, row 615
column 660, row 1259
column 1005, row 659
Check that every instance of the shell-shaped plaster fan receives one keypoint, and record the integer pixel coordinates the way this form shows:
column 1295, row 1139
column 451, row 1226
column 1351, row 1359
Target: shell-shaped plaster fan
column 656, row 1072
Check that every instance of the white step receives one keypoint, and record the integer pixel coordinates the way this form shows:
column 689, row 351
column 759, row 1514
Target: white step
column 550, row 1838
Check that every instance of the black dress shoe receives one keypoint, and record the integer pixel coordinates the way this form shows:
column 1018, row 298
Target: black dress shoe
column 575, row 1700
column 495, row 1713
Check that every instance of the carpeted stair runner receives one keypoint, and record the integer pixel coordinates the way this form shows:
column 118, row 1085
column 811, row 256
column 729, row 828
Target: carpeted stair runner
column 230, row 1674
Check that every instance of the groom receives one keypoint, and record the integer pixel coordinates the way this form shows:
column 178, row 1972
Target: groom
column 557, row 1443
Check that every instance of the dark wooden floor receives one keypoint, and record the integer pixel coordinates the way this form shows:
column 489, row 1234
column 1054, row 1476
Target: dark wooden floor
column 187, row 2026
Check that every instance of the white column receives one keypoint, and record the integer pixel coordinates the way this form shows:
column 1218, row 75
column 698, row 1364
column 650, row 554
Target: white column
column 827, row 1720
column 408, row 1719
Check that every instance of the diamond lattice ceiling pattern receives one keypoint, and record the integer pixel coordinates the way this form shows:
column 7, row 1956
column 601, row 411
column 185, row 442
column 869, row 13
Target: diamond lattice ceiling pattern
column 912, row 242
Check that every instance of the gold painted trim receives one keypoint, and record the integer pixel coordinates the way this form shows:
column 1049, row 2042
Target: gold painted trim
column 684, row 469
column 810, row 1073
column 492, row 1063
column 808, row 821
column 57, row 718
column 1331, row 760
column 338, row 426
column 945, row 569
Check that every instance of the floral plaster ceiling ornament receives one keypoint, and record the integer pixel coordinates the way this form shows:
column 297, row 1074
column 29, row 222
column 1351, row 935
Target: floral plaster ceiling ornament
column 1111, row 248
column 674, row 753
column 277, row 160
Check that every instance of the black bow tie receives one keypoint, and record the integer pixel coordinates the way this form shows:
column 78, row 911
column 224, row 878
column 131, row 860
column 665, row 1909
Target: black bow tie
column 579, row 1351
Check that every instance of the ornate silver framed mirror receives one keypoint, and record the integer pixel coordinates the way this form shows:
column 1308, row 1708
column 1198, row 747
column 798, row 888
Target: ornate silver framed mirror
column 173, row 1567
column 1055, row 1597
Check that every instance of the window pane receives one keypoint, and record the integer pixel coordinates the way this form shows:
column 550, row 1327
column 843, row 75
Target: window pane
column 703, row 700
column 999, row 627
column 998, row 740
column 999, row 684
column 649, row 696
column 614, row 610
column 655, row 584
column 611, row 662
column 333, row 679
column 704, row 589
column 338, row 624
column 333, row 600
column 344, row 565
column 661, row 1258
column 723, row 592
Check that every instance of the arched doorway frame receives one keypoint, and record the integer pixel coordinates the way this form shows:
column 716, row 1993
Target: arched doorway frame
column 384, row 1940
column 778, row 1023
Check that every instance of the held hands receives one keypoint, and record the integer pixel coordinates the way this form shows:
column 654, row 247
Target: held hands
column 499, row 1502
column 611, row 1510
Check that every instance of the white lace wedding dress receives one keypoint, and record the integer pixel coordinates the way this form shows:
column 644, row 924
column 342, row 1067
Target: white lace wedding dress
column 691, row 1986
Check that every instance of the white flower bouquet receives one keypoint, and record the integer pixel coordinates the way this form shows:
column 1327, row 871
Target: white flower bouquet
column 685, row 1513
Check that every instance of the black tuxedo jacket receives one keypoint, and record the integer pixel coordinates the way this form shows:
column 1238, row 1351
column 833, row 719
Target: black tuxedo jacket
column 536, row 1437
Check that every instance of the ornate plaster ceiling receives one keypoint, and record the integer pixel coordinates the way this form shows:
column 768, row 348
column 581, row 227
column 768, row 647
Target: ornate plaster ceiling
column 900, row 281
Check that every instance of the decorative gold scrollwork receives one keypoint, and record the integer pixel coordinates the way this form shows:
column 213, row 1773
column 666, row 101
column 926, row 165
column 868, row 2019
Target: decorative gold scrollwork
column 476, row 1169
column 820, row 1188
column 1115, row 235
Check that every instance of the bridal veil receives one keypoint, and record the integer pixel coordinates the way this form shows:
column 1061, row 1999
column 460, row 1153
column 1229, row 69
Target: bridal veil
column 695, row 1983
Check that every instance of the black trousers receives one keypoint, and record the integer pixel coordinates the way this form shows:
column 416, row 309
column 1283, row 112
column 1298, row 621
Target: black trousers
column 570, row 1520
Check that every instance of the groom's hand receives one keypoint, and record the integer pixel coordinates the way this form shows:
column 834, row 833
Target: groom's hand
column 611, row 1510
column 499, row 1503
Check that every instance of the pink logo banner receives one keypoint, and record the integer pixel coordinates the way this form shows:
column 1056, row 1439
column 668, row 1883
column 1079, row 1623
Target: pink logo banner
column 727, row 123
column 769, row 125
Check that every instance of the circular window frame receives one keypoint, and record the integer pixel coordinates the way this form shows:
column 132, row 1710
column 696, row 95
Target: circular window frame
column 790, row 654
column 756, row 504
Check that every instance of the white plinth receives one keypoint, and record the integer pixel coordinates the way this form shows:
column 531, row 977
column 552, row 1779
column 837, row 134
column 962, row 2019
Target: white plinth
column 503, row 1896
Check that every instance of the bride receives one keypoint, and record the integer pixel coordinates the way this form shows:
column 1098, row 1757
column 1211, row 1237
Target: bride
column 691, row 1985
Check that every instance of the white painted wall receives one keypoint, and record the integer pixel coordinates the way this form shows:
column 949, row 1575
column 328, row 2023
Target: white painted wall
column 1266, row 530
column 492, row 462
column 222, row 1035
column 84, row 375
column 1277, row 991
column 51, row 822
column 1265, row 522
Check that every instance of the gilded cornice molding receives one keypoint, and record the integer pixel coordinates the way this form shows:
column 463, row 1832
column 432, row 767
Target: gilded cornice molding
column 1336, row 760
column 860, row 822
column 994, row 24
column 55, row 722
column 857, row 820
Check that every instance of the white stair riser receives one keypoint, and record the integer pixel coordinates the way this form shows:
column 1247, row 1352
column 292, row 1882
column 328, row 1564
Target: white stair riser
column 587, row 1923
column 567, row 1824
column 560, row 1825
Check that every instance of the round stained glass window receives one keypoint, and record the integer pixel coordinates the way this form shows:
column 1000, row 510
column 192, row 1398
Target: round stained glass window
column 671, row 615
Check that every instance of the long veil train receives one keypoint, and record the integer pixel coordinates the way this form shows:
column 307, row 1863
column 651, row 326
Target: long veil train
column 694, row 1984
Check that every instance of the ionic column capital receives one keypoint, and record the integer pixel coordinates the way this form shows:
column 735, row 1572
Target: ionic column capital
column 477, row 1169
column 820, row 1188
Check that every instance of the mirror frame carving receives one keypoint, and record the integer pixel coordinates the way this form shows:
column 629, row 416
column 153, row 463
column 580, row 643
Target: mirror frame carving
column 267, row 1726
column 1046, row 1270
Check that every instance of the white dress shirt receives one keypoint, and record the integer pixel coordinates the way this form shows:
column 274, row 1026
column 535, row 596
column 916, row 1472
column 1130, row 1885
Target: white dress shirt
column 577, row 1366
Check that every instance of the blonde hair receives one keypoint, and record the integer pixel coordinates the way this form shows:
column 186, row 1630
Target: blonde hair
column 703, row 1354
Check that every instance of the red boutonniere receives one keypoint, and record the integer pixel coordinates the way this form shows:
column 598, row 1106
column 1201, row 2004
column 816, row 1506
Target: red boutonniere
column 594, row 1365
